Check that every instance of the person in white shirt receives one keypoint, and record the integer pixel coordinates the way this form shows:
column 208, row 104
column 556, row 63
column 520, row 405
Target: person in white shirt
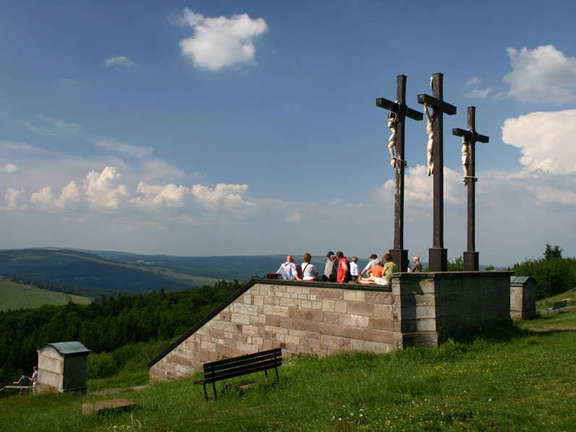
column 309, row 272
column 288, row 269
column 354, row 269
column 371, row 263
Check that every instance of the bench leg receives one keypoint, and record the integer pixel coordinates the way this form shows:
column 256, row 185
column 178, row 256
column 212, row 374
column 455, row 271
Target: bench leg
column 266, row 373
column 277, row 376
column 205, row 392
column 214, row 388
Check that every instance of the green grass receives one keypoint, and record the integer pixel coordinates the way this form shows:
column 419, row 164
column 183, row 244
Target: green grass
column 17, row 296
column 522, row 379
column 549, row 302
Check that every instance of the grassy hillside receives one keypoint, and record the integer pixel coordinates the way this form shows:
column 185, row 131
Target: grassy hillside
column 91, row 275
column 18, row 296
column 521, row 380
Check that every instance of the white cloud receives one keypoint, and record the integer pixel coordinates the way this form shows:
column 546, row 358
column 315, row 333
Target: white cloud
column 221, row 42
column 546, row 140
column 294, row 217
column 122, row 147
column 20, row 147
column 473, row 82
column 156, row 196
column 49, row 126
column 543, row 74
column 227, row 196
column 15, row 199
column 478, row 93
column 101, row 189
column 8, row 168
column 418, row 188
column 118, row 62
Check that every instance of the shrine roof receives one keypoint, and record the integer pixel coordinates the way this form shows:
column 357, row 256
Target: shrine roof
column 68, row 348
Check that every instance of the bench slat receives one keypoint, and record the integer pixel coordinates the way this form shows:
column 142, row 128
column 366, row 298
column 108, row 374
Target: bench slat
column 243, row 371
column 272, row 352
column 211, row 368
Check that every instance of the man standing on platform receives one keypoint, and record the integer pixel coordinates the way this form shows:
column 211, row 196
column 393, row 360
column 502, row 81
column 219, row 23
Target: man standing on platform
column 288, row 269
column 330, row 267
column 343, row 274
column 417, row 267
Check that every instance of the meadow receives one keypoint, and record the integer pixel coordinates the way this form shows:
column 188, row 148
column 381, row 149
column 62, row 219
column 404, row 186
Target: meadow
column 15, row 296
column 517, row 379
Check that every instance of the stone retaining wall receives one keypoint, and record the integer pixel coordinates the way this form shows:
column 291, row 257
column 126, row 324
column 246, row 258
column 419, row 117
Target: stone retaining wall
column 328, row 318
column 312, row 318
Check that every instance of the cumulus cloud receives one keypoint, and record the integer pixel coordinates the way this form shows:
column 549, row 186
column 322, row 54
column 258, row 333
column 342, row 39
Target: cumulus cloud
column 418, row 188
column 543, row 74
column 45, row 198
column 156, row 196
column 220, row 42
column 294, row 217
column 102, row 190
column 227, row 196
column 8, row 168
column 475, row 90
column 15, row 199
column 50, row 126
column 118, row 62
column 546, row 140
column 20, row 147
column 122, row 147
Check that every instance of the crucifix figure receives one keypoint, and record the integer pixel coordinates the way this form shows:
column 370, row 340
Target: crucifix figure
column 398, row 112
column 393, row 126
column 437, row 254
column 469, row 139
column 430, row 144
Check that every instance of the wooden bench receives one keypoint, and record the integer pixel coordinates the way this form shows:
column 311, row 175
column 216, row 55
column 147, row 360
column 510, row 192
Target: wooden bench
column 242, row 365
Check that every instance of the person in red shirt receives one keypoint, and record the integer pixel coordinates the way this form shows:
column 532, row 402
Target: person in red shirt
column 343, row 274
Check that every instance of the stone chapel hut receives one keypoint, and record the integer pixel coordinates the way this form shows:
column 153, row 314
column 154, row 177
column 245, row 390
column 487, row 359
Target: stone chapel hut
column 62, row 367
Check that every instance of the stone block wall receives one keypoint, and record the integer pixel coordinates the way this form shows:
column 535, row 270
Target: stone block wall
column 312, row 318
column 328, row 318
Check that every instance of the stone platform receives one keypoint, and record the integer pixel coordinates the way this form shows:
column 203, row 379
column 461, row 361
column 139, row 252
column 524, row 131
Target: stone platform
column 329, row 318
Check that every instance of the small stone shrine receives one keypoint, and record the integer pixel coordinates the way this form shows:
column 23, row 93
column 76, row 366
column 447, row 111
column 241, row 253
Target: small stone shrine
column 523, row 297
column 62, row 367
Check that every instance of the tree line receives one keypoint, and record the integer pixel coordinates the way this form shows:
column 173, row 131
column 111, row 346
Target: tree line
column 105, row 325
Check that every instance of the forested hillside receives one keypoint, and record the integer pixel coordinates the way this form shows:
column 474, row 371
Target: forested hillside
column 81, row 273
column 105, row 325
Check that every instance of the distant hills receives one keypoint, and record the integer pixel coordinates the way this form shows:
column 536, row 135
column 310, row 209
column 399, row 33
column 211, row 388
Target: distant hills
column 91, row 275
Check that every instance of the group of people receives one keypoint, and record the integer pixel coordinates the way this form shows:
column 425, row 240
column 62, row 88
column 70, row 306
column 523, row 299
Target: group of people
column 338, row 268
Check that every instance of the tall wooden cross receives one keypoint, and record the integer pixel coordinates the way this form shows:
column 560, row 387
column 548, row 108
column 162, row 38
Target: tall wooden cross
column 437, row 255
column 471, row 137
column 400, row 111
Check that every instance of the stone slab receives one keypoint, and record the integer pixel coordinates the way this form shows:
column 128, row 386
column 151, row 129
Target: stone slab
column 108, row 407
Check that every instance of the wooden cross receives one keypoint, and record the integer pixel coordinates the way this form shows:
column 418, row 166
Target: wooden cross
column 438, row 260
column 400, row 111
column 471, row 136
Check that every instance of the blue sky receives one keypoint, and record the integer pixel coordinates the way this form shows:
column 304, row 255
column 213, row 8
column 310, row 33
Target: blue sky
column 215, row 128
